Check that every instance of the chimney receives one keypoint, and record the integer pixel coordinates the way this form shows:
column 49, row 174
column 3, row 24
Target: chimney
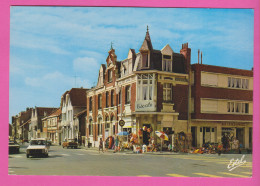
column 201, row 57
column 198, row 56
column 186, row 52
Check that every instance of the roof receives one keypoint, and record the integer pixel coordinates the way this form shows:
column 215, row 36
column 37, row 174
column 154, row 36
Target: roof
column 147, row 44
column 44, row 111
column 77, row 97
column 80, row 113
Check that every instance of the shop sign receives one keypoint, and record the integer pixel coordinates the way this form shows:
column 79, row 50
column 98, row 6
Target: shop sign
column 145, row 106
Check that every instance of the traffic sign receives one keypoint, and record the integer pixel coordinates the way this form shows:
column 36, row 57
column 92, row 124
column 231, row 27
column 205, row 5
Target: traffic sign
column 121, row 123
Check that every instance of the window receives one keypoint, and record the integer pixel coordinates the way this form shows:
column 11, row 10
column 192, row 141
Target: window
column 145, row 60
column 167, row 92
column 107, row 124
column 90, row 104
column 127, row 95
column 145, row 87
column 238, row 107
column 167, row 63
column 238, row 83
column 109, row 75
column 99, row 126
column 119, row 97
column 99, row 101
column 90, row 127
column 107, row 95
column 112, row 98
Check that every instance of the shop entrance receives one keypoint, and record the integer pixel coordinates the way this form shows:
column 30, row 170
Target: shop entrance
column 193, row 133
column 206, row 134
column 250, row 137
column 240, row 135
column 146, row 134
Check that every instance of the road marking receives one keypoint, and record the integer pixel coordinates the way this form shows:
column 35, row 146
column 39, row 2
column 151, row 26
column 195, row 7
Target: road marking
column 11, row 174
column 249, row 173
column 143, row 176
column 176, row 175
column 65, row 154
column 10, row 171
column 207, row 175
column 234, row 175
column 80, row 154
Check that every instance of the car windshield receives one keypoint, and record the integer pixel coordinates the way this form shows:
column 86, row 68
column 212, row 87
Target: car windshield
column 38, row 142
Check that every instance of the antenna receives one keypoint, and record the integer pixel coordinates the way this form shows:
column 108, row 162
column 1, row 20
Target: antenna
column 75, row 80
column 198, row 56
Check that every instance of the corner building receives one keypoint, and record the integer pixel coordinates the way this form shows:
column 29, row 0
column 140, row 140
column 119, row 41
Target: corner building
column 149, row 88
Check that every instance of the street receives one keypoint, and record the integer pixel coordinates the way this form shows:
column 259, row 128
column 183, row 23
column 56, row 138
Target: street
column 92, row 163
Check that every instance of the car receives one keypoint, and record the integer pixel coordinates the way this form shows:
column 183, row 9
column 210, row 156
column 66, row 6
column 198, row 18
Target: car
column 14, row 147
column 70, row 143
column 38, row 147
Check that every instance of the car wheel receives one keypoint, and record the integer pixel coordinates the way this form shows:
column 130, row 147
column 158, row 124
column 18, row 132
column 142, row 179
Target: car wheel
column 27, row 155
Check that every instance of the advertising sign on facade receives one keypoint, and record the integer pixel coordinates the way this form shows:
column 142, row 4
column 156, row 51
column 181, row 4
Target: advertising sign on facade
column 145, row 106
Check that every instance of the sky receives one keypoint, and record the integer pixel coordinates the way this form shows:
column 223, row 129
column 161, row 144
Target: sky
column 54, row 49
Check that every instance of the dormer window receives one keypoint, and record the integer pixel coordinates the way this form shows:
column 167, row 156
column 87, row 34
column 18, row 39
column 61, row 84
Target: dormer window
column 167, row 63
column 145, row 61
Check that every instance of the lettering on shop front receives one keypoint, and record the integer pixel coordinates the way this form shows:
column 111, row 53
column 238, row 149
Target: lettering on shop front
column 140, row 106
column 144, row 106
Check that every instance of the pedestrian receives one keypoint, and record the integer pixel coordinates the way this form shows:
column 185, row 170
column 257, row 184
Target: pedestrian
column 116, row 144
column 100, row 145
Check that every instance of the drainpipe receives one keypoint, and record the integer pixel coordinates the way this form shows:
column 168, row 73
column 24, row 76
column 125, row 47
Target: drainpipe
column 189, row 102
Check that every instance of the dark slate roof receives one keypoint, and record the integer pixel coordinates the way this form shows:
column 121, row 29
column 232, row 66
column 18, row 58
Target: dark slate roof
column 78, row 97
column 44, row 110
column 178, row 63
column 147, row 44
column 80, row 113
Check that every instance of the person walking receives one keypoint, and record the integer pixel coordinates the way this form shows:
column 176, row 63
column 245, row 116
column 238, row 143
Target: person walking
column 100, row 145
column 116, row 144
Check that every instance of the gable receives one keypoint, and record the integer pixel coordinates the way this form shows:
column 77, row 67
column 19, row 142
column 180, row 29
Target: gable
column 167, row 50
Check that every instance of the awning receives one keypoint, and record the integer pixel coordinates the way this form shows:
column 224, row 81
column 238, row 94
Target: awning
column 127, row 126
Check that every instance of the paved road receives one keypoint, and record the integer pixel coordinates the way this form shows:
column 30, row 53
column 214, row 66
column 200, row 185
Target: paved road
column 91, row 163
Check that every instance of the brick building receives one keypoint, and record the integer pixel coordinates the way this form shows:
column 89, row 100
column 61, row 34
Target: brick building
column 149, row 88
column 221, row 104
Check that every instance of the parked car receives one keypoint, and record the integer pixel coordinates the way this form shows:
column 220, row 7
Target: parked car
column 13, row 147
column 70, row 143
column 38, row 147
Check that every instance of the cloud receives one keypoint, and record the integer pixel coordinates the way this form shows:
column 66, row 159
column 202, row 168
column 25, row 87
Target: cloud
column 85, row 64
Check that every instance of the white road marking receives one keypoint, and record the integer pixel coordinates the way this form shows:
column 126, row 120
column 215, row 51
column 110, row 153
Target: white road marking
column 65, row 154
column 10, row 171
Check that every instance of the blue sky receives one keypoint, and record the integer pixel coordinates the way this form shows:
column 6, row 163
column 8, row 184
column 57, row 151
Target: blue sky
column 51, row 45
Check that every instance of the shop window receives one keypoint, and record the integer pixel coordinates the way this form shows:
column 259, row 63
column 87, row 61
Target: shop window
column 99, row 101
column 167, row 63
column 127, row 95
column 90, row 127
column 107, row 95
column 167, row 92
column 145, row 87
column 145, row 62
column 112, row 98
